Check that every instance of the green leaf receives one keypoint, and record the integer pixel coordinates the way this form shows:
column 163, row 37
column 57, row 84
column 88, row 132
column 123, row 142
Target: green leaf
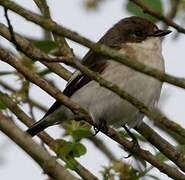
column 70, row 163
column 64, row 148
column 78, row 149
column 69, row 149
column 80, row 133
column 156, row 5
column 2, row 106
column 45, row 45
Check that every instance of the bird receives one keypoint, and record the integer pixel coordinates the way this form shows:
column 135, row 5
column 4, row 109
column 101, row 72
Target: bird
column 139, row 39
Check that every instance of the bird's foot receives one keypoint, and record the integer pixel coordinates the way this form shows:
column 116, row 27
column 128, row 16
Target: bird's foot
column 135, row 145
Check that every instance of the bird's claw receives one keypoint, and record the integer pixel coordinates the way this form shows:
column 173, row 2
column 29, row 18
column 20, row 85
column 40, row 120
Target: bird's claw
column 135, row 147
column 135, row 143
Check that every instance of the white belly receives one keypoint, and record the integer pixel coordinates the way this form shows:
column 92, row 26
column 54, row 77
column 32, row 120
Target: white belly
column 106, row 105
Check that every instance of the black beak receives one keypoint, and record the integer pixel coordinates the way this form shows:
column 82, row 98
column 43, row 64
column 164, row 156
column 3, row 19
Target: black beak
column 160, row 33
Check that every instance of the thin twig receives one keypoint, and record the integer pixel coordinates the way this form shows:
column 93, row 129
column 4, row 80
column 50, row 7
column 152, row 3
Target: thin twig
column 97, row 48
column 73, row 106
column 173, row 9
column 44, row 9
column 47, row 163
column 31, row 51
column 64, row 48
column 143, row 108
column 162, row 145
column 32, row 101
column 168, row 21
column 172, row 172
column 26, row 120
column 24, row 44
column 82, row 171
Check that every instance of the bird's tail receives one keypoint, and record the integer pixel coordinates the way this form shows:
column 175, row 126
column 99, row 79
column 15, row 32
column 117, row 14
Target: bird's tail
column 59, row 116
column 38, row 127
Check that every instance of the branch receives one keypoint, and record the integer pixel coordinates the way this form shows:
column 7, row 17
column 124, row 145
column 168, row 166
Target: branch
column 80, row 170
column 154, row 138
column 146, row 155
column 172, row 172
column 61, row 71
column 73, row 106
column 22, row 42
column 32, row 101
column 160, row 118
column 168, row 21
column 97, row 48
column 26, row 120
column 170, row 125
column 174, row 9
column 142, row 107
column 47, row 163
column 162, row 145
column 25, row 44
column 175, row 135
column 29, row 47
column 64, row 48
column 32, row 51
column 44, row 9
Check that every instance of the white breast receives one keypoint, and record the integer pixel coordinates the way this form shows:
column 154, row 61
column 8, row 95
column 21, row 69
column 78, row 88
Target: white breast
column 148, row 52
column 106, row 105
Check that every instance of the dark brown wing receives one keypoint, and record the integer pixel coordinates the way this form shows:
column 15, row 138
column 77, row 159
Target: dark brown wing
column 95, row 63
column 113, row 38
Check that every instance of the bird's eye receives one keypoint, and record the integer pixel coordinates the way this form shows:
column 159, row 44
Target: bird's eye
column 139, row 33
